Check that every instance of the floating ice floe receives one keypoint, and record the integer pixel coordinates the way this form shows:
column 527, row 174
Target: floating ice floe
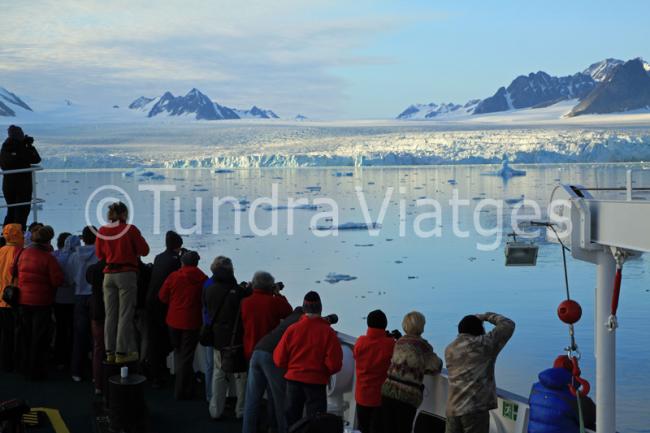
column 334, row 278
column 505, row 171
column 351, row 226
column 514, row 200
column 286, row 207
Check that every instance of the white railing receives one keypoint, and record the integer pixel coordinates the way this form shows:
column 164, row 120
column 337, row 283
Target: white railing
column 35, row 200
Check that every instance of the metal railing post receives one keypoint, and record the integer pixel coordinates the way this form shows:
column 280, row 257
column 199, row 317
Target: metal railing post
column 34, row 205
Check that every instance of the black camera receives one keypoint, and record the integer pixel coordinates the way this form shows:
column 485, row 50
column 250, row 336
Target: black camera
column 29, row 140
column 332, row 319
column 278, row 286
column 395, row 334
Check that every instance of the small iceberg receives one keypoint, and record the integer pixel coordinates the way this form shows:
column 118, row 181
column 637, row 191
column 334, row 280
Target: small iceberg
column 452, row 182
column 351, row 226
column 313, row 188
column 514, row 200
column 505, row 171
column 285, row 207
column 343, row 174
column 334, row 278
column 223, row 171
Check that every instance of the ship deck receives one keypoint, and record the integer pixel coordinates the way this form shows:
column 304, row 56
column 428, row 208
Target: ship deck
column 81, row 412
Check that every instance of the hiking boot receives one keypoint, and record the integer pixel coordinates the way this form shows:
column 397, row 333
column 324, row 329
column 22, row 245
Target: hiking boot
column 121, row 358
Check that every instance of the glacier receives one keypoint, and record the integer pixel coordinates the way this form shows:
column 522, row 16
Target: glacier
column 257, row 147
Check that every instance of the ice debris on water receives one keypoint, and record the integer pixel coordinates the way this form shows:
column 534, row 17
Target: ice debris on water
column 334, row 278
column 351, row 226
column 223, row 171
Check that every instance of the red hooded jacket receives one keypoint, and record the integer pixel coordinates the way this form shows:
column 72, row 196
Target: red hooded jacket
column 182, row 290
column 261, row 313
column 120, row 245
column 39, row 274
column 310, row 351
column 372, row 355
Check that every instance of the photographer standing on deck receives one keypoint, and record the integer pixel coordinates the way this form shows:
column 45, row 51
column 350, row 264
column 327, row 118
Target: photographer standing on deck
column 18, row 152
column 470, row 360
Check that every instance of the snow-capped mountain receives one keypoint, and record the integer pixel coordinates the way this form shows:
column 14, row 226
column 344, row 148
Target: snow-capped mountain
column 431, row 110
column 197, row 105
column 538, row 90
column 10, row 104
column 626, row 88
column 600, row 71
column 300, row 117
column 256, row 113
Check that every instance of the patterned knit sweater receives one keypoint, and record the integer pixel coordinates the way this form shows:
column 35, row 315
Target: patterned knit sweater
column 413, row 357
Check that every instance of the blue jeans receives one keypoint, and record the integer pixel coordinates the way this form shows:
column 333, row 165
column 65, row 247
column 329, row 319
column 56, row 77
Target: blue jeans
column 209, row 365
column 263, row 375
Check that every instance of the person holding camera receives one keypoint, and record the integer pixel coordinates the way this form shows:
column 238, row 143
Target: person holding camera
column 263, row 310
column 310, row 352
column 402, row 392
column 222, row 298
column 372, row 354
column 470, row 360
column 18, row 152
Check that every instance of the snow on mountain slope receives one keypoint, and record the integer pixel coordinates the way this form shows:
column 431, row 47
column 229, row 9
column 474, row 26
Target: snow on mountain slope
column 256, row 113
column 600, row 71
column 11, row 104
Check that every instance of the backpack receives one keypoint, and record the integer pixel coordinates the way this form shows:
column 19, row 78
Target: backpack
column 319, row 423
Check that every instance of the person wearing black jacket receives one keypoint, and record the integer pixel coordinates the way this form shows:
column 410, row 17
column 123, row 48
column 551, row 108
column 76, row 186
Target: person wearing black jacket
column 95, row 277
column 18, row 152
column 222, row 297
column 264, row 375
column 158, row 344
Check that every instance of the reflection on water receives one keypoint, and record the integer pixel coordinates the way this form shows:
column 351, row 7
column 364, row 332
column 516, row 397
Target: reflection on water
column 445, row 277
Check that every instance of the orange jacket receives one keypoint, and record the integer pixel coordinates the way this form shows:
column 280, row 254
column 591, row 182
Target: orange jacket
column 13, row 234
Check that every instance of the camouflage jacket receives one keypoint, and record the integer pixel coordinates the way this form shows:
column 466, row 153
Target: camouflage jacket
column 470, row 366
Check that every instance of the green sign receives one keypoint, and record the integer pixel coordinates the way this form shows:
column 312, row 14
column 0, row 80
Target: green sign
column 510, row 410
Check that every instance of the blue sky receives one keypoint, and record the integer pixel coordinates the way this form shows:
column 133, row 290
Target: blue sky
column 322, row 58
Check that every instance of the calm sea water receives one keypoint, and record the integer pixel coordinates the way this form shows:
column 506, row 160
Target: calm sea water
column 444, row 277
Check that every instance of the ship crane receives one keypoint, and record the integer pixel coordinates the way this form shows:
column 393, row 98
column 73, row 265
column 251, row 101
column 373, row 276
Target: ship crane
column 604, row 232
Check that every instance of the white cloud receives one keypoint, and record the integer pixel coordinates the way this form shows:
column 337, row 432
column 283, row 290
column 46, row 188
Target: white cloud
column 274, row 53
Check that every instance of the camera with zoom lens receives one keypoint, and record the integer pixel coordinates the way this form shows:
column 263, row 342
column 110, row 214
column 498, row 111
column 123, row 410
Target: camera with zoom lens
column 332, row 319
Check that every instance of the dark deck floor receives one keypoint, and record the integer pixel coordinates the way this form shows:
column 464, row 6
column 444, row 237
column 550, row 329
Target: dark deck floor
column 76, row 403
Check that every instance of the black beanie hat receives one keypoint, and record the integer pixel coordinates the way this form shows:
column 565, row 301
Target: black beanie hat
column 377, row 319
column 471, row 325
column 312, row 304
column 190, row 258
column 173, row 240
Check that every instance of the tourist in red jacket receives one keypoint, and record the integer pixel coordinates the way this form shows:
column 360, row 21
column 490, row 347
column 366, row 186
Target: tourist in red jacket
column 372, row 355
column 183, row 290
column 263, row 310
column 310, row 352
column 120, row 244
column 38, row 274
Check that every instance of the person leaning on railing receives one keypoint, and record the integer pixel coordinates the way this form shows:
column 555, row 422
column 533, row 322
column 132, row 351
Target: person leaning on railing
column 17, row 153
column 402, row 392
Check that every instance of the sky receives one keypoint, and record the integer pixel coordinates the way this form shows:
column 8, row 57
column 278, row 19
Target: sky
column 358, row 59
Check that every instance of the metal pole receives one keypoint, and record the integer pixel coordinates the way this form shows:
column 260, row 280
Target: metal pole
column 629, row 184
column 34, row 205
column 605, row 345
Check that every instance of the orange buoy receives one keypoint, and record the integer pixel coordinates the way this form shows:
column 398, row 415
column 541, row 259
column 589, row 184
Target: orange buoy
column 569, row 311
